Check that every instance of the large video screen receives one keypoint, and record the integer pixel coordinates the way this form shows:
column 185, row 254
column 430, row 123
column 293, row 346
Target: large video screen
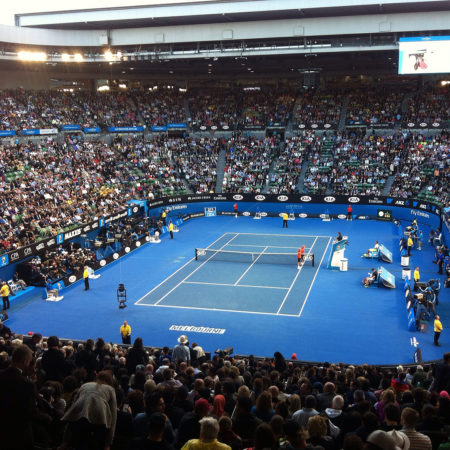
column 419, row 55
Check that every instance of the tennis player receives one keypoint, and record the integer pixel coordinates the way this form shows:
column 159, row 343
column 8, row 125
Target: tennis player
column 300, row 256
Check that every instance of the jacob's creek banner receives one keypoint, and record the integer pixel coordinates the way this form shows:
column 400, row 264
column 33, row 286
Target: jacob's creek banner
column 46, row 244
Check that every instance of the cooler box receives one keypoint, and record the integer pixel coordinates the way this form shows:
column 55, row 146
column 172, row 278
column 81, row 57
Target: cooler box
column 344, row 265
column 405, row 261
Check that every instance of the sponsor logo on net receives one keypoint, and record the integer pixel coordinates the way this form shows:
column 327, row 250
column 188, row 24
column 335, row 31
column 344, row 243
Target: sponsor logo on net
column 282, row 198
column 72, row 279
column 238, row 197
column 329, row 199
column 353, row 199
column 260, row 198
column 305, row 198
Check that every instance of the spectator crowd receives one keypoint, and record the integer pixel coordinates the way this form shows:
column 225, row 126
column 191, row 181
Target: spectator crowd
column 73, row 395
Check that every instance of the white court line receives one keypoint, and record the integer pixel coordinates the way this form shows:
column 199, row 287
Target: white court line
column 250, row 266
column 240, row 285
column 295, row 235
column 192, row 273
column 269, row 246
column 296, row 276
column 312, row 282
column 184, row 265
column 217, row 309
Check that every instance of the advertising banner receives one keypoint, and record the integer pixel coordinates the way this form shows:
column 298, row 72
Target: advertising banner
column 7, row 133
column 71, row 127
column 92, row 130
column 125, row 129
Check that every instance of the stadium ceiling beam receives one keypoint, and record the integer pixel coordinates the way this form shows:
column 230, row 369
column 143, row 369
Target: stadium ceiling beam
column 205, row 8
column 243, row 52
column 229, row 32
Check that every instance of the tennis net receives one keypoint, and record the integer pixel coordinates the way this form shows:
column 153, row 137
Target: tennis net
column 208, row 254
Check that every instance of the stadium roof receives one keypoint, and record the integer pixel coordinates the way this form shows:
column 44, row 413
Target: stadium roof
column 220, row 11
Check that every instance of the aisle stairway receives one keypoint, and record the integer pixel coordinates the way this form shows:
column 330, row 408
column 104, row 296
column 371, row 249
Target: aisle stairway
column 220, row 169
column 272, row 168
column 343, row 116
column 301, row 179
column 388, row 185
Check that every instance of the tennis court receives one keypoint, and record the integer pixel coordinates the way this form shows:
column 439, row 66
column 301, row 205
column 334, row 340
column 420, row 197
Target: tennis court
column 244, row 272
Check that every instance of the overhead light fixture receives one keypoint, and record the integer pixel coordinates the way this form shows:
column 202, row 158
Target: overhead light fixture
column 108, row 55
column 78, row 57
column 65, row 57
column 32, row 56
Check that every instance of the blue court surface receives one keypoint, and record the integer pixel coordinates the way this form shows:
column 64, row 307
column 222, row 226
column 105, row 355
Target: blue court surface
column 244, row 290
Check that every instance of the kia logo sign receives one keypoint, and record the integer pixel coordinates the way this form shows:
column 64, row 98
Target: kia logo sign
column 72, row 279
column 314, row 125
column 138, row 243
column 323, row 216
column 327, row 125
column 281, row 214
column 305, row 198
column 103, row 263
column 225, row 127
column 238, row 197
column 246, row 213
column 302, row 215
column 423, row 124
column 353, row 199
column 213, row 127
column 436, row 124
column 127, row 249
column 282, row 198
column 410, row 124
column 135, row 209
column 342, row 216
column 115, row 255
column 329, row 199
column 147, row 238
column 302, row 125
column 203, row 128
column 260, row 198
column 263, row 214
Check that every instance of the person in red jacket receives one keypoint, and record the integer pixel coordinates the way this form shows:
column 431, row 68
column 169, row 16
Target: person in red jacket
column 349, row 212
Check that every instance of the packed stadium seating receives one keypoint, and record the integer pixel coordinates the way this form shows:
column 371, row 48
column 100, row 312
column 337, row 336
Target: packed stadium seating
column 257, row 401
